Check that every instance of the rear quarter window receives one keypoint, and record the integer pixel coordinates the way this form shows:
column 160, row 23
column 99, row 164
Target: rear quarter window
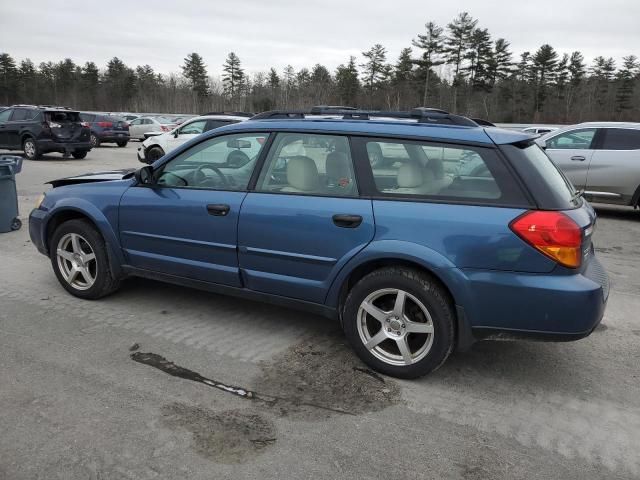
column 621, row 139
column 549, row 186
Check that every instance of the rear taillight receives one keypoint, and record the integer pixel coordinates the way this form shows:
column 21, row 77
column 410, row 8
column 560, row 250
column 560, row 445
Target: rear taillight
column 105, row 124
column 552, row 233
column 164, row 128
column 84, row 124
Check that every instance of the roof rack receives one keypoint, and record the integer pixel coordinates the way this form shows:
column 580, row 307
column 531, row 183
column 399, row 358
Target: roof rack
column 420, row 114
column 235, row 114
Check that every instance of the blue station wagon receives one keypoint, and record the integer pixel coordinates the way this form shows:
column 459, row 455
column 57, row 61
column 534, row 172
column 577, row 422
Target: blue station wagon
column 420, row 231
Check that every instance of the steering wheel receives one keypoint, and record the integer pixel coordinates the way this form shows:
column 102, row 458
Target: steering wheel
column 200, row 177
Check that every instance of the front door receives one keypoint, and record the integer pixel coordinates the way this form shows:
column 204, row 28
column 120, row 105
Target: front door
column 186, row 223
column 4, row 119
column 572, row 151
column 305, row 220
column 185, row 133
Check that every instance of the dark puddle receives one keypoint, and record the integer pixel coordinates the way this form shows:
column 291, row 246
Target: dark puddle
column 326, row 373
column 232, row 436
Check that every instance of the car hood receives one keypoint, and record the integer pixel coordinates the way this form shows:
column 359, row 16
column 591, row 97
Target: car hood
column 94, row 177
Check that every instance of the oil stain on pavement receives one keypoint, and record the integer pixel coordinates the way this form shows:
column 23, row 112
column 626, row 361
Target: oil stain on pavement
column 232, row 436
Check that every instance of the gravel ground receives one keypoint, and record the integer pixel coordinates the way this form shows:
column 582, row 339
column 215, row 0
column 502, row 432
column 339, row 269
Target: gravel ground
column 75, row 405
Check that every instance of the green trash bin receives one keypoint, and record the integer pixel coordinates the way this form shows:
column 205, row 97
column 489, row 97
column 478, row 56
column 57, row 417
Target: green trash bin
column 10, row 165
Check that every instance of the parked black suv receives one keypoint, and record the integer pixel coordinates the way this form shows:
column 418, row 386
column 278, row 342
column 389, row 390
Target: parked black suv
column 43, row 129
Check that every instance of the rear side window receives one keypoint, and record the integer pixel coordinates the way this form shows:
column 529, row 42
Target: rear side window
column 440, row 172
column 551, row 189
column 574, row 140
column 621, row 139
column 211, row 124
column 21, row 114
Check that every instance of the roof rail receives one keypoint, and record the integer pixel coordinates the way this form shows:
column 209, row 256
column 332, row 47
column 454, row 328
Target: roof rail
column 420, row 114
column 235, row 114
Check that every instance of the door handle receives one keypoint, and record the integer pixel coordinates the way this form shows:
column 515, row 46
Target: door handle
column 218, row 209
column 578, row 158
column 347, row 221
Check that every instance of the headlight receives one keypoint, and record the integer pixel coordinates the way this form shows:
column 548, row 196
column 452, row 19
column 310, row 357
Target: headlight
column 40, row 200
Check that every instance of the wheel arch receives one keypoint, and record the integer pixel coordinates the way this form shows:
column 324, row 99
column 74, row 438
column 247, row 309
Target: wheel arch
column 64, row 213
column 411, row 256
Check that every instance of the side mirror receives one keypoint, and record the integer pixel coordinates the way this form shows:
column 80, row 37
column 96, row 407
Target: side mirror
column 175, row 134
column 144, row 176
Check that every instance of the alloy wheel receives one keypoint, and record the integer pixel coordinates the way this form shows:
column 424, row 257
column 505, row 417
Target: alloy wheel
column 395, row 327
column 77, row 261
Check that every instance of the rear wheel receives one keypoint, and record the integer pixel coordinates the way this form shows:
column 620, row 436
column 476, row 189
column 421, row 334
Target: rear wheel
column 95, row 141
column 31, row 150
column 79, row 259
column 122, row 144
column 400, row 322
column 79, row 154
column 153, row 154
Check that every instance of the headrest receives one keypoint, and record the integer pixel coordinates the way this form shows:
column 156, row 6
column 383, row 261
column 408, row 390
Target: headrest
column 410, row 175
column 302, row 173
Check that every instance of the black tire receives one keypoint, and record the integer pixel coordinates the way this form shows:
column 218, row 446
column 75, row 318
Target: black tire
column 105, row 283
column 427, row 291
column 16, row 224
column 95, row 141
column 122, row 144
column 79, row 154
column 153, row 154
column 31, row 149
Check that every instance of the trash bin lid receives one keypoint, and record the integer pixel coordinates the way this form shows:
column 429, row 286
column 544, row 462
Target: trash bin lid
column 13, row 161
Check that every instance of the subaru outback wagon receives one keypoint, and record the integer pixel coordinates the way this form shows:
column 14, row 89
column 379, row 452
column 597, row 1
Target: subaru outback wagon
column 448, row 233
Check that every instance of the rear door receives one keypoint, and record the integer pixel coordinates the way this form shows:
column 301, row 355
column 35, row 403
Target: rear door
column 186, row 224
column 614, row 172
column 305, row 219
column 572, row 151
column 66, row 126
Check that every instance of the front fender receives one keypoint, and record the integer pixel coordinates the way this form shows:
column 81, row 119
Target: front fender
column 106, row 223
column 452, row 277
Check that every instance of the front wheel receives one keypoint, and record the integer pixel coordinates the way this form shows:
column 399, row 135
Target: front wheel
column 400, row 322
column 153, row 154
column 79, row 259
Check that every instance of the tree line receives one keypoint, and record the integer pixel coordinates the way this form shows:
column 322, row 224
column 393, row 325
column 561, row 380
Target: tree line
column 459, row 67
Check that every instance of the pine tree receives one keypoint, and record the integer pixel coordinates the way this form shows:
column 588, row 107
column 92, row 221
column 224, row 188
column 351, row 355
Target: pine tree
column 233, row 77
column 431, row 44
column 456, row 46
column 28, row 82
column 8, row 79
column 625, row 80
column 545, row 63
column 479, row 55
column 90, row 81
column 348, row 83
column 375, row 68
column 500, row 63
column 195, row 71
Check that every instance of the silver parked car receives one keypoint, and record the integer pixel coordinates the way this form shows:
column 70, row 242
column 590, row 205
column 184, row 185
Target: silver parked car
column 142, row 125
column 601, row 158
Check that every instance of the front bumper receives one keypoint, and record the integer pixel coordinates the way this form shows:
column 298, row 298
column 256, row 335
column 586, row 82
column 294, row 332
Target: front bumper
column 546, row 307
column 142, row 154
column 36, row 229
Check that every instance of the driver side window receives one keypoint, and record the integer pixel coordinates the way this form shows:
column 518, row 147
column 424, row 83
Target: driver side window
column 573, row 140
column 220, row 163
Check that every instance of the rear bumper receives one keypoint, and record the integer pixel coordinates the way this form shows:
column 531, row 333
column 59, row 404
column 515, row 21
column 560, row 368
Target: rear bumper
column 48, row 145
column 542, row 307
column 107, row 137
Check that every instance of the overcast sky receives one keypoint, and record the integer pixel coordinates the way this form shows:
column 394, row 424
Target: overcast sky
column 267, row 33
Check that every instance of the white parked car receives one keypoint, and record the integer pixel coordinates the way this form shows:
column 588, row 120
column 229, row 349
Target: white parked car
column 142, row 125
column 156, row 146
column 539, row 130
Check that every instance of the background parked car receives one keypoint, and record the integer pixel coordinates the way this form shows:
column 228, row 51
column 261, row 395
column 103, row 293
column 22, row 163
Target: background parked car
column 156, row 146
column 142, row 125
column 37, row 130
column 539, row 130
column 106, row 129
column 603, row 159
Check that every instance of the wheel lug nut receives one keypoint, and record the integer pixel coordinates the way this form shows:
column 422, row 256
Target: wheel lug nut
column 388, row 329
column 403, row 325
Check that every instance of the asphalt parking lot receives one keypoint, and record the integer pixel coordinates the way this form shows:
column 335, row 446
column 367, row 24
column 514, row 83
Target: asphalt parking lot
column 75, row 404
